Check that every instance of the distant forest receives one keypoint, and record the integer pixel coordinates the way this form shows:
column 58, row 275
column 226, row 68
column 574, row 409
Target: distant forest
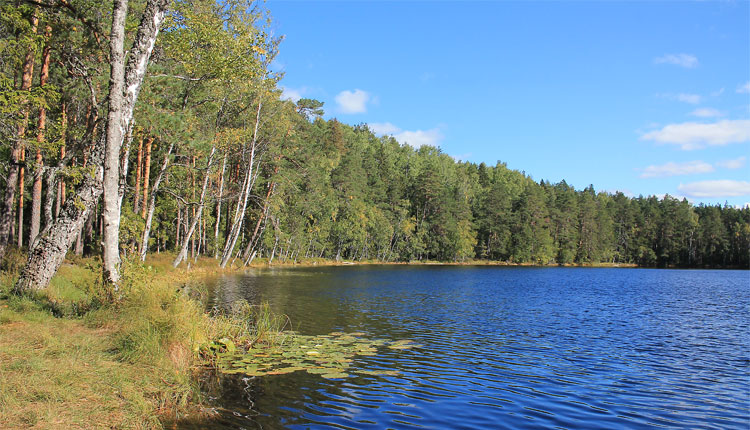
column 215, row 163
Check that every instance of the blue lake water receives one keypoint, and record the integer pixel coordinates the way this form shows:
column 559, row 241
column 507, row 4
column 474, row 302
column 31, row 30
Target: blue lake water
column 505, row 348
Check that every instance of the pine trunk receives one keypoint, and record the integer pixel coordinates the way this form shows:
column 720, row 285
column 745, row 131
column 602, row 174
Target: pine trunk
column 146, row 174
column 138, row 175
column 7, row 215
column 152, row 204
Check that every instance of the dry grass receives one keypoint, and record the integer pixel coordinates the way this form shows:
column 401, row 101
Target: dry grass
column 60, row 374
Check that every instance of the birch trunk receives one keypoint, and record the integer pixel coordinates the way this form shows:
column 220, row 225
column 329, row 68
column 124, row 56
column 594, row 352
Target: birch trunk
column 36, row 191
column 239, row 216
column 49, row 251
column 114, row 137
column 196, row 213
column 152, row 204
column 218, row 207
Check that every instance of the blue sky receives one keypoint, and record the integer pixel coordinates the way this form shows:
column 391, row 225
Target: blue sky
column 642, row 97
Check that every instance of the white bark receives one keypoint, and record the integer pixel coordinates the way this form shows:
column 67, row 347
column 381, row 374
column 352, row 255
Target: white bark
column 239, row 215
column 114, row 137
column 125, row 84
column 186, row 240
column 48, row 252
column 218, row 207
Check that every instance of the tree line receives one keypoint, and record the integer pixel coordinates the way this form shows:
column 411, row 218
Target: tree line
column 132, row 127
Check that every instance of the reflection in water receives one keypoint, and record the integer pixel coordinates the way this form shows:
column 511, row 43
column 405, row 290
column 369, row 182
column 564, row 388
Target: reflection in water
column 505, row 347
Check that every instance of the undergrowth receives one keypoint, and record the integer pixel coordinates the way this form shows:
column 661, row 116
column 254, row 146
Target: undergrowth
column 150, row 342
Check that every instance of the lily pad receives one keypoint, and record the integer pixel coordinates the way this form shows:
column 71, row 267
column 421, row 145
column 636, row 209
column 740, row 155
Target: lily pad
column 335, row 375
column 327, row 355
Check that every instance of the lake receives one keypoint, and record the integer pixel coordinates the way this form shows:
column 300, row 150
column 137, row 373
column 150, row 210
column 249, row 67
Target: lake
column 504, row 347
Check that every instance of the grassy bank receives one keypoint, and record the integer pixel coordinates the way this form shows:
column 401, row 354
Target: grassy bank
column 70, row 358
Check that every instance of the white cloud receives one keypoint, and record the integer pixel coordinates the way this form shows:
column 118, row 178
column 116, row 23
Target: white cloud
column 683, row 60
column 689, row 98
column 462, row 157
column 693, row 135
column 744, row 88
column 737, row 163
column 693, row 99
column 675, row 169
column 383, row 128
column 418, row 138
column 353, row 101
column 718, row 92
column 291, row 94
column 719, row 188
column 414, row 138
column 706, row 113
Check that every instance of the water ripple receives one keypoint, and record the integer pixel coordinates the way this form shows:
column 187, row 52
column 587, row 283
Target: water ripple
column 507, row 348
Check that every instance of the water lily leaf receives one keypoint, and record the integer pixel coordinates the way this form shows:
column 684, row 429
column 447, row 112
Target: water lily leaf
column 335, row 375
column 320, row 370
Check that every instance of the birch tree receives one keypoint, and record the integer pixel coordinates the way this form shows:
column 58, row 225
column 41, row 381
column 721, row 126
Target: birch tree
column 48, row 252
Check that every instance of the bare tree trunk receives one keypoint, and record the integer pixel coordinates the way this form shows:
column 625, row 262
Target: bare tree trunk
column 251, row 244
column 192, row 178
column 7, row 215
column 218, row 207
column 61, row 188
column 124, row 164
column 179, row 225
column 196, row 214
column 138, row 175
column 239, row 216
column 21, row 188
column 48, row 252
column 152, row 204
column 36, row 191
column 146, row 174
column 114, row 136
column 50, row 200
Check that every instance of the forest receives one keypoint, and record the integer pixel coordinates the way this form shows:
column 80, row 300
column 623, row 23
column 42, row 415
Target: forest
column 159, row 127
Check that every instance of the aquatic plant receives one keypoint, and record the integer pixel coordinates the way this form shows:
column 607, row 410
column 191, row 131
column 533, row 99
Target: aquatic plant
column 329, row 355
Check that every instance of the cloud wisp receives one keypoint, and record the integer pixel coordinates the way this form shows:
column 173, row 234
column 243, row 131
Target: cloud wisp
column 744, row 88
column 715, row 189
column 415, row 138
column 351, row 102
column 690, row 168
column 683, row 60
column 737, row 163
column 706, row 113
column 694, row 135
column 677, row 169
column 692, row 99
